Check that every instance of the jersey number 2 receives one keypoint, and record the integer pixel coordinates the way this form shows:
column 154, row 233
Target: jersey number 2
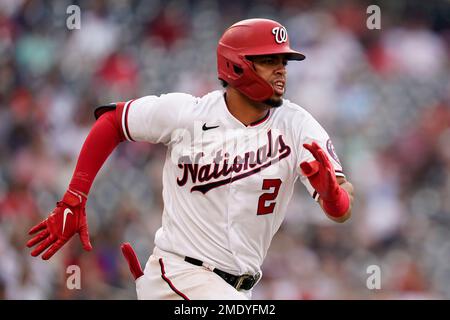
column 263, row 206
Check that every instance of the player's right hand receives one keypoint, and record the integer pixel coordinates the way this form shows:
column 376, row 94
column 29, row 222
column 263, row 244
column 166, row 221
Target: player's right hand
column 68, row 218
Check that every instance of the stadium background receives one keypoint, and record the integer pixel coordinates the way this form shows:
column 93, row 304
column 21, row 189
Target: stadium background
column 383, row 95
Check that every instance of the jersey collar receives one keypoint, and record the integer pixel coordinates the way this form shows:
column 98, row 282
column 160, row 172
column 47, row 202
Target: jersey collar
column 238, row 123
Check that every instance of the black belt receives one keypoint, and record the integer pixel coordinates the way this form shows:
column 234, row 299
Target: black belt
column 245, row 281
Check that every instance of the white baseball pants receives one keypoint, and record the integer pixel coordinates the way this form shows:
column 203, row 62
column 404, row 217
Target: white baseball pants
column 167, row 276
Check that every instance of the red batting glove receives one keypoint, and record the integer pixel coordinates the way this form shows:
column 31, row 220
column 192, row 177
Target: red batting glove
column 133, row 262
column 68, row 218
column 320, row 174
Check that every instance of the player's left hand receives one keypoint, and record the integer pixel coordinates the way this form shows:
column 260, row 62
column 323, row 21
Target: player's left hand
column 68, row 218
column 320, row 173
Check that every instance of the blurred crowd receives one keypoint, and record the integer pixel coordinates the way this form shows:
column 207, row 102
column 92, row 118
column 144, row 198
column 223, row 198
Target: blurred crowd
column 382, row 95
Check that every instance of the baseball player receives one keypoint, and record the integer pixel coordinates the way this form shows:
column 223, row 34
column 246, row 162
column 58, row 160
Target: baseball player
column 233, row 157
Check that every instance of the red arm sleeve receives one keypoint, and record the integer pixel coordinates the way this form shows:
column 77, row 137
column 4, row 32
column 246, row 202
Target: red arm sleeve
column 103, row 138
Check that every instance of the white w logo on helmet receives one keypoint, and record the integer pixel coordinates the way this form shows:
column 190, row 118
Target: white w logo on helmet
column 280, row 34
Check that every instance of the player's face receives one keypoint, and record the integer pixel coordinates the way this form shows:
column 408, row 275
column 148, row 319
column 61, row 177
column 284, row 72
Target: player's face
column 272, row 68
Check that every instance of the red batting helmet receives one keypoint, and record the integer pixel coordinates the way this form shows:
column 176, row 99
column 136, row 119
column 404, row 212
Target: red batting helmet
column 251, row 37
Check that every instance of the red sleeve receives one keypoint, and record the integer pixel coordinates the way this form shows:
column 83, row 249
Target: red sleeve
column 103, row 138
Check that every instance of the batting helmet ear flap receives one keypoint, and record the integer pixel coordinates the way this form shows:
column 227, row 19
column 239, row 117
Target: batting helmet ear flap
column 240, row 74
column 251, row 84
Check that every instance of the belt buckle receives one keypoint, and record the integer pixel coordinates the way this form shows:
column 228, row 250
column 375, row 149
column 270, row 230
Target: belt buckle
column 241, row 279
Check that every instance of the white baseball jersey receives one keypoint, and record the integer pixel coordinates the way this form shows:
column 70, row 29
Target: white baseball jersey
column 226, row 186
